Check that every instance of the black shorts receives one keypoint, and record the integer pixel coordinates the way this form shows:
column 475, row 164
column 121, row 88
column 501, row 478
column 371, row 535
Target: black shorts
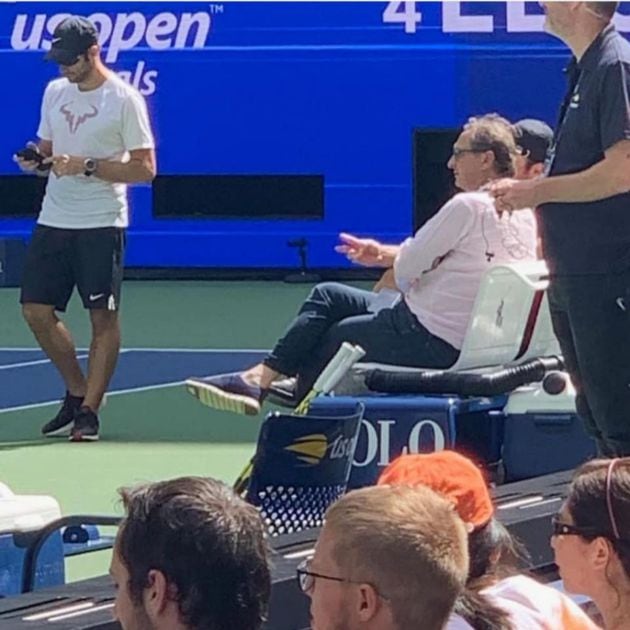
column 58, row 260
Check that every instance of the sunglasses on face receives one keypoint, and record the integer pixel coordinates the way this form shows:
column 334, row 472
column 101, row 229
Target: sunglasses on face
column 560, row 528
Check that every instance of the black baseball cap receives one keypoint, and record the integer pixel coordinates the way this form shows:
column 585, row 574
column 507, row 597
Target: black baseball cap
column 533, row 137
column 71, row 38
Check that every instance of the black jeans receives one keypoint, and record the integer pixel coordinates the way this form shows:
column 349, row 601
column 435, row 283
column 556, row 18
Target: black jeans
column 334, row 313
column 591, row 318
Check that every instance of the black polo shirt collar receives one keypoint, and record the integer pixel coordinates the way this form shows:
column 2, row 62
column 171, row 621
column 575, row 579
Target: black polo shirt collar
column 591, row 56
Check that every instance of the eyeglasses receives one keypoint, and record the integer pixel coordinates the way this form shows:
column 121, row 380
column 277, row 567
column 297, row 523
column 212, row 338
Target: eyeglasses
column 306, row 577
column 567, row 529
column 457, row 151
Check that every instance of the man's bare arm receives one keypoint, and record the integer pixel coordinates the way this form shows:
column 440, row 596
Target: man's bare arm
column 141, row 167
column 605, row 179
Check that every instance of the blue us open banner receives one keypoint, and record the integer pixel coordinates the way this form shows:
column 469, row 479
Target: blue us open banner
column 314, row 101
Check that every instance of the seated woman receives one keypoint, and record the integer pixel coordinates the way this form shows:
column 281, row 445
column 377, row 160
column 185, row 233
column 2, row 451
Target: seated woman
column 591, row 538
column 438, row 272
column 496, row 597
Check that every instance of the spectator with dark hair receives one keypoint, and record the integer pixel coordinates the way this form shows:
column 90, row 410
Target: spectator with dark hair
column 591, row 538
column 386, row 559
column 190, row 555
column 437, row 275
column 496, row 597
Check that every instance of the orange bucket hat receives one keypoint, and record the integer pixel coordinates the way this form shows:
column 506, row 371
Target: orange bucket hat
column 454, row 476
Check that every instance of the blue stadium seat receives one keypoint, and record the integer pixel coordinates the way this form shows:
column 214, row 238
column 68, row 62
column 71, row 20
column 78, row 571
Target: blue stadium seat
column 301, row 466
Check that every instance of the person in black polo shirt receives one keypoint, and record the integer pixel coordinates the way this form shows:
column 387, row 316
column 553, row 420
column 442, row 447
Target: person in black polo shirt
column 584, row 216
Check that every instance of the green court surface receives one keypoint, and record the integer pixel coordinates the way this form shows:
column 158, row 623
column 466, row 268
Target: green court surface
column 146, row 435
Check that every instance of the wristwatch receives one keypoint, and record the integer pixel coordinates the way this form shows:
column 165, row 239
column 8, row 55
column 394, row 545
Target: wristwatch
column 90, row 166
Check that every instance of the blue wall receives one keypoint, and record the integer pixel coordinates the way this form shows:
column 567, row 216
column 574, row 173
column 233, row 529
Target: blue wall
column 292, row 87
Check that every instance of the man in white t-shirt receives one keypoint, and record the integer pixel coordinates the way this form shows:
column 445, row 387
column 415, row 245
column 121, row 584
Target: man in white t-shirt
column 94, row 138
column 438, row 271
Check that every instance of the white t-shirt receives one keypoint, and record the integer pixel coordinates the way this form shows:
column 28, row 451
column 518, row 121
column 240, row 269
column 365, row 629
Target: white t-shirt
column 532, row 606
column 104, row 124
column 439, row 269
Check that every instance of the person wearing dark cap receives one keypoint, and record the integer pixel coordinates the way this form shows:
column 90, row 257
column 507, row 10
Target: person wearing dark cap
column 496, row 597
column 584, row 218
column 533, row 138
column 94, row 138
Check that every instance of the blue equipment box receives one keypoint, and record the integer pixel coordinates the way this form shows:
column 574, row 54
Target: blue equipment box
column 50, row 566
column 393, row 425
column 21, row 518
column 543, row 434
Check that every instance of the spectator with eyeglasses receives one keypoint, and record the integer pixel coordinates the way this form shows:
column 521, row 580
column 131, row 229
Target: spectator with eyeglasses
column 386, row 559
column 436, row 274
column 591, row 538
column 496, row 596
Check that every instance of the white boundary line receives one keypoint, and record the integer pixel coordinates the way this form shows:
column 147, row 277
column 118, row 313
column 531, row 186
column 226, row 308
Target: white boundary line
column 200, row 350
column 116, row 392
column 10, row 366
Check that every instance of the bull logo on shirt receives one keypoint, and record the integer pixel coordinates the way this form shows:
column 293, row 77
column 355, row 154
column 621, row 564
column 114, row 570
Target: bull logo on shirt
column 75, row 119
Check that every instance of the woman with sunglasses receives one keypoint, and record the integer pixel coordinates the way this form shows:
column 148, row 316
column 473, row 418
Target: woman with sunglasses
column 591, row 538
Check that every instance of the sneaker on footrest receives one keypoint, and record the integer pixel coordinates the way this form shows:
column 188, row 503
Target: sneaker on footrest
column 61, row 424
column 85, row 427
column 227, row 392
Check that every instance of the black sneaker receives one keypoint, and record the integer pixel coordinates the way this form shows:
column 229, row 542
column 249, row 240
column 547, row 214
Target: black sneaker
column 85, row 427
column 61, row 424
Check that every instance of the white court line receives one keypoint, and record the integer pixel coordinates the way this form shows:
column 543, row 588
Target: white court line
column 10, row 366
column 116, row 392
column 31, row 349
column 199, row 350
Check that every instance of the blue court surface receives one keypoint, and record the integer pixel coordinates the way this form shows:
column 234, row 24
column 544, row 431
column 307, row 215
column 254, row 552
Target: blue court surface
column 30, row 380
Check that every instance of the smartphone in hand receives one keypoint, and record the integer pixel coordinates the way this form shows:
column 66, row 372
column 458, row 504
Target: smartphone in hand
column 31, row 155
